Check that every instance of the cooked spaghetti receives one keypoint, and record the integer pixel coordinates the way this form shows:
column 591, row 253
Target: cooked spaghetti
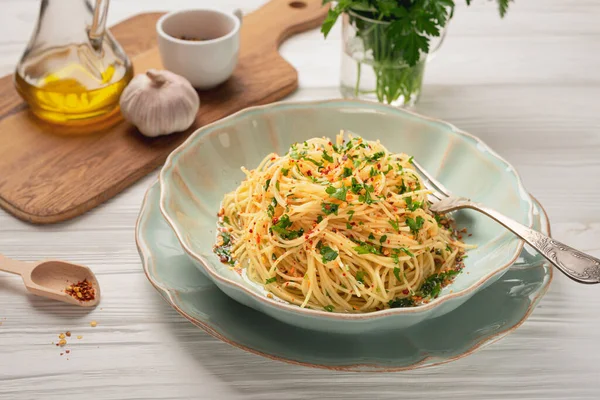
column 342, row 226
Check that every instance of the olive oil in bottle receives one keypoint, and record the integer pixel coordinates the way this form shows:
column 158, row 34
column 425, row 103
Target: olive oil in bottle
column 73, row 71
column 73, row 93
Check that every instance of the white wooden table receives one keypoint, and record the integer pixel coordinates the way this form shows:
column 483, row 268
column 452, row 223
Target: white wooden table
column 527, row 85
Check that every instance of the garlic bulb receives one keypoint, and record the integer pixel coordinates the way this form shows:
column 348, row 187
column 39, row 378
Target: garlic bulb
column 160, row 103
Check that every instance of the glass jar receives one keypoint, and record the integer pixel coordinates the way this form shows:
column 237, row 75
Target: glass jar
column 372, row 64
column 73, row 71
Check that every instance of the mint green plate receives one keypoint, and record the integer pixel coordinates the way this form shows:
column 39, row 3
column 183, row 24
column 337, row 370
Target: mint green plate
column 206, row 166
column 489, row 315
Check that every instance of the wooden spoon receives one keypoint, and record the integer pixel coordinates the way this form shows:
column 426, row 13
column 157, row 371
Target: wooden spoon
column 52, row 277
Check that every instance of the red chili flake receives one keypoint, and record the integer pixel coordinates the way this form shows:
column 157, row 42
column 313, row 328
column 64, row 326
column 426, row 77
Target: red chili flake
column 257, row 239
column 82, row 291
column 378, row 166
column 275, row 220
column 344, row 274
column 470, row 234
column 250, row 230
column 272, row 158
column 309, row 172
column 405, row 291
column 329, row 143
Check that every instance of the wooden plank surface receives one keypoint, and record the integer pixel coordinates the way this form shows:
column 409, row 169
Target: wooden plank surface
column 528, row 85
column 49, row 173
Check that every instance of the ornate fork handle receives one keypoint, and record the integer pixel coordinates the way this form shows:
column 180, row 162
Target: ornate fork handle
column 575, row 264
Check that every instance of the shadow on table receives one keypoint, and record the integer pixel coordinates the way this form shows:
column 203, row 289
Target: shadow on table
column 55, row 308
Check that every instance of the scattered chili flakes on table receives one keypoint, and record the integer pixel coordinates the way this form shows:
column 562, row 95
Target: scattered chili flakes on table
column 82, row 291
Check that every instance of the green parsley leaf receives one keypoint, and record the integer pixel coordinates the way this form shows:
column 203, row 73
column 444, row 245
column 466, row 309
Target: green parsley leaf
column 397, row 274
column 267, row 184
column 271, row 208
column 226, row 220
column 339, row 193
column 285, row 171
column 366, row 197
column 328, row 254
column 432, row 286
column 327, row 157
column 405, row 250
column 383, row 239
column 347, row 172
column 281, row 227
column 271, row 280
column 412, row 205
column 375, row 157
column 318, row 164
column 328, row 308
column 366, row 248
column 226, row 238
column 348, row 226
column 319, row 219
column 415, row 225
column 360, row 276
column 224, row 255
column 356, row 187
column 394, row 225
column 330, row 208
column 401, row 303
column 351, row 214
column 402, row 189
column 274, row 257
column 349, row 145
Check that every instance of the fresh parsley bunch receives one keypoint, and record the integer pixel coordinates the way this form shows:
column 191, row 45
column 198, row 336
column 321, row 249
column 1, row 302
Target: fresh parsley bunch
column 402, row 40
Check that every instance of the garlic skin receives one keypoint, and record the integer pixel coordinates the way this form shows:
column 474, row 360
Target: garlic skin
column 159, row 103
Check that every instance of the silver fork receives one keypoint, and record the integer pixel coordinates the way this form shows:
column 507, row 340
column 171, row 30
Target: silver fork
column 575, row 264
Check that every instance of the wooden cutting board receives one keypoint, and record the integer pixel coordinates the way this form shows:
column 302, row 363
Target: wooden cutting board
column 47, row 176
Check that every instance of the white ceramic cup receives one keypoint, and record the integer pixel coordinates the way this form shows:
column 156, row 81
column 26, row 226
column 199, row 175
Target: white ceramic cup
column 209, row 61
